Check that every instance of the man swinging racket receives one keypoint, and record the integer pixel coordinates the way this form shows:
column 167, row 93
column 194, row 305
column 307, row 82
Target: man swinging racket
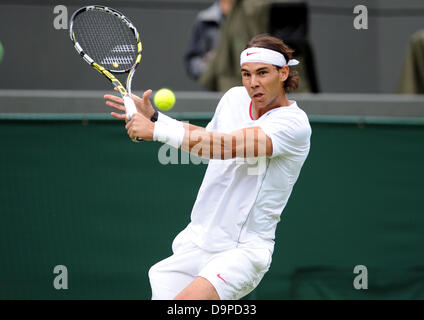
column 227, row 247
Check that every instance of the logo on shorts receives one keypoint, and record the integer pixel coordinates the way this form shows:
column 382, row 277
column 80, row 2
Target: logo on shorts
column 219, row 276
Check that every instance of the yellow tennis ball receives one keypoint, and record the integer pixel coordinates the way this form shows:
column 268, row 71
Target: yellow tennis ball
column 115, row 64
column 164, row 99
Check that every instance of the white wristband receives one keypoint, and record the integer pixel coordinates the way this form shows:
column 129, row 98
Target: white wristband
column 171, row 133
column 166, row 119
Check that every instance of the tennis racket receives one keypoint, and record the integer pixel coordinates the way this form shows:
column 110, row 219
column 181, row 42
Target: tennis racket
column 110, row 43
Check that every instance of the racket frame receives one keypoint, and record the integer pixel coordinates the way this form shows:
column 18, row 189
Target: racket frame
column 108, row 73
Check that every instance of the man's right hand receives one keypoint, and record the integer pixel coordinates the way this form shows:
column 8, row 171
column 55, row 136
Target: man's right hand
column 144, row 106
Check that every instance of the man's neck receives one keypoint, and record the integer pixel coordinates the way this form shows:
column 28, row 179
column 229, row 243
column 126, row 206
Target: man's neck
column 259, row 112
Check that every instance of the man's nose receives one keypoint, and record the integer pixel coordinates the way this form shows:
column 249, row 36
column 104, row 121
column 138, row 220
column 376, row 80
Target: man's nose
column 253, row 81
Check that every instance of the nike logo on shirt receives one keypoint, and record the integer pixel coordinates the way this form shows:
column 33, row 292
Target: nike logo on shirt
column 219, row 276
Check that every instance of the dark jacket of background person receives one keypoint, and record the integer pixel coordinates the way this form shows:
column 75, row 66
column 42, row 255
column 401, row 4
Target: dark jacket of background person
column 247, row 19
column 203, row 41
column 412, row 78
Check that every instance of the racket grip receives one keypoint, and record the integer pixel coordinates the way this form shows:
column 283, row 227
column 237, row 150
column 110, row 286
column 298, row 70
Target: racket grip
column 129, row 106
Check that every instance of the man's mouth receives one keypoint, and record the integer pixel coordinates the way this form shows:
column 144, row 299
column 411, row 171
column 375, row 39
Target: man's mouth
column 258, row 95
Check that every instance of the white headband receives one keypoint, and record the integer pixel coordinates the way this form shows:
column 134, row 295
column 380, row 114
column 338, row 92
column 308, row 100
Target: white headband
column 263, row 55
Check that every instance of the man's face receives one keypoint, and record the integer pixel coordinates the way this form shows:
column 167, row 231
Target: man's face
column 264, row 82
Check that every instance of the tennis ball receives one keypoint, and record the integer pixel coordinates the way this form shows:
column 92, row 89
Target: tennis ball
column 1, row 52
column 164, row 99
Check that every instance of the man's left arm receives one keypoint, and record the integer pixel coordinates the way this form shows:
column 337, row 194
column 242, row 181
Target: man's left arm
column 244, row 143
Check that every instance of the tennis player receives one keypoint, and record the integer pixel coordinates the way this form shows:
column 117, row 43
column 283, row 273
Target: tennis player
column 227, row 247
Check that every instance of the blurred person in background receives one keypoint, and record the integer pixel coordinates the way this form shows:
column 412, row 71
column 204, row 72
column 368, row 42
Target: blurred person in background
column 204, row 37
column 412, row 77
column 246, row 19
column 285, row 19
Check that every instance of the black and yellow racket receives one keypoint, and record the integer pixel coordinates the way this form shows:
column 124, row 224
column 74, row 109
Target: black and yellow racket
column 110, row 43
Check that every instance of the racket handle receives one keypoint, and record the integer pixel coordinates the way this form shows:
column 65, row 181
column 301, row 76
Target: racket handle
column 130, row 109
column 129, row 106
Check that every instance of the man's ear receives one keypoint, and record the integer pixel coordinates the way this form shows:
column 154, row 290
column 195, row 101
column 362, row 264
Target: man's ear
column 284, row 73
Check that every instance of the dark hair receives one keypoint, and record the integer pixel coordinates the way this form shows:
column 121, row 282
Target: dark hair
column 269, row 42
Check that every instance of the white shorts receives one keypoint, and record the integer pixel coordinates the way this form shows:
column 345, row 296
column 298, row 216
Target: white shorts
column 234, row 273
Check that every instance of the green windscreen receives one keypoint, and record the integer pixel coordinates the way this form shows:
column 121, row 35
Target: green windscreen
column 82, row 195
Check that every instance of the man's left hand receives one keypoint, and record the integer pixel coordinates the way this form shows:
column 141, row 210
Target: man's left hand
column 140, row 127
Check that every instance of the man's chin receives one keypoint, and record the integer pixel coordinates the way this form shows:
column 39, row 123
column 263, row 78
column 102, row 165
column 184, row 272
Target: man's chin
column 260, row 103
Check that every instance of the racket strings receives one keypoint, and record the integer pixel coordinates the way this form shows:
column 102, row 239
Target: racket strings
column 106, row 39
